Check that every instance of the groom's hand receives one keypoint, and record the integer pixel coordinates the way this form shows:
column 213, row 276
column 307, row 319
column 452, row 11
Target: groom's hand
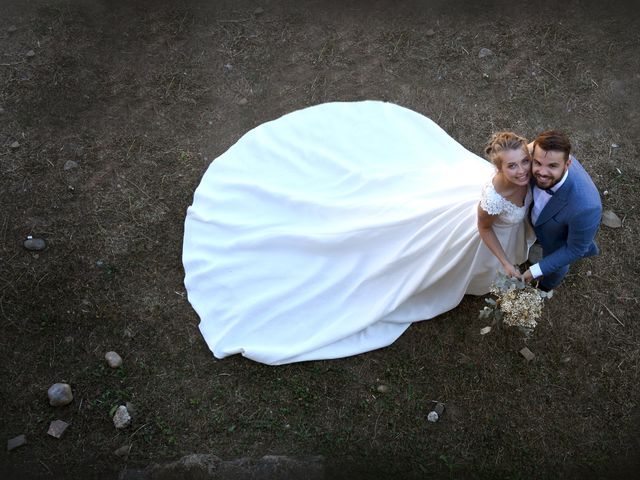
column 527, row 277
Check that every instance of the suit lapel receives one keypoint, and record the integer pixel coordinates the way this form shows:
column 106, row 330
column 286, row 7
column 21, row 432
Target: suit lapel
column 557, row 201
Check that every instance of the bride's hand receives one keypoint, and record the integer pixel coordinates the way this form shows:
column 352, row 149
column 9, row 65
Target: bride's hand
column 511, row 270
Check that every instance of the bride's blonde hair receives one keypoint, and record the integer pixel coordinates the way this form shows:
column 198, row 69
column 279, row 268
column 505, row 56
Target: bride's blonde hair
column 501, row 142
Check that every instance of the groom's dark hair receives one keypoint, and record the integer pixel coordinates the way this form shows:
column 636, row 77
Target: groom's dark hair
column 555, row 141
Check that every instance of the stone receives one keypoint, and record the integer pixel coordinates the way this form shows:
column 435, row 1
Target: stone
column 69, row 164
column 16, row 442
column 57, row 428
column 435, row 414
column 484, row 52
column 1, row 110
column 430, row 33
column 526, row 353
column 60, row 394
column 12, row 29
column 258, row 11
column 30, row 54
column 123, row 451
column 121, row 419
column 382, row 388
column 243, row 101
column 485, row 330
column 34, row 244
column 113, row 359
column 15, row 145
column 615, row 145
column 611, row 220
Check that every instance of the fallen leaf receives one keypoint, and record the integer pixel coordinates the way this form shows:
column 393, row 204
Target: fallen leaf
column 611, row 220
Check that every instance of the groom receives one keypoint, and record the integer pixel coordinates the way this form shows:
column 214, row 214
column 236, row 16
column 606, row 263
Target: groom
column 566, row 209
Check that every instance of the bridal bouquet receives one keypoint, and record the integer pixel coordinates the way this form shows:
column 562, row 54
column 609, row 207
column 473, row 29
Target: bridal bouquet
column 516, row 304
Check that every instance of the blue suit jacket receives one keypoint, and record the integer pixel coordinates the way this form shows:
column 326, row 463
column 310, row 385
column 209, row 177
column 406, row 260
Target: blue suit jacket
column 568, row 224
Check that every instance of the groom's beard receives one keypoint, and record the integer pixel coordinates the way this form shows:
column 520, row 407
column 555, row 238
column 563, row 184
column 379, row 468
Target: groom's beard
column 554, row 181
column 545, row 185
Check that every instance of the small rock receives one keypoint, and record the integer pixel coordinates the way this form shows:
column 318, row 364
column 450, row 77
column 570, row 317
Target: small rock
column 228, row 67
column 1, row 110
column 258, row 11
column 484, row 52
column 435, row 414
column 430, row 33
column 15, row 145
column 34, row 244
column 528, row 354
column 565, row 359
column 69, row 164
column 615, row 145
column 611, row 220
column 485, row 330
column 30, row 54
column 121, row 419
column 123, row 451
column 382, row 388
column 57, row 428
column 60, row 394
column 243, row 101
column 12, row 28
column 113, row 359
column 127, row 333
column 16, row 442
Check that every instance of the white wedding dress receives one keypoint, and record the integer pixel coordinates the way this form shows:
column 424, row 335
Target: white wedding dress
column 327, row 232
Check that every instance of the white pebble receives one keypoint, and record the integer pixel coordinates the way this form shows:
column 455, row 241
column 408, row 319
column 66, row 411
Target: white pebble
column 113, row 359
column 60, row 394
column 121, row 419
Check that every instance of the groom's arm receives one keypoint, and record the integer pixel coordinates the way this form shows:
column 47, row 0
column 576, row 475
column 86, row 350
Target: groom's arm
column 582, row 229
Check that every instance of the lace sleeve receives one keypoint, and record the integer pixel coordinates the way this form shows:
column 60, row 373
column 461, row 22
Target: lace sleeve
column 490, row 200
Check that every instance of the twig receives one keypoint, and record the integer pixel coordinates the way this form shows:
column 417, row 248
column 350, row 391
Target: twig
column 11, row 64
column 549, row 73
column 45, row 466
column 137, row 430
column 130, row 182
column 239, row 20
column 129, row 150
column 612, row 314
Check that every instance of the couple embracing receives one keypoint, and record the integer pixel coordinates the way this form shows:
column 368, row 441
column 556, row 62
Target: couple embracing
column 328, row 231
column 566, row 207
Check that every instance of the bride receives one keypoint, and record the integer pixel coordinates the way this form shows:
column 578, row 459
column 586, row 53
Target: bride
column 327, row 232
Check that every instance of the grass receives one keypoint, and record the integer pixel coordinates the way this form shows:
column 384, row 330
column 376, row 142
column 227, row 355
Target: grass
column 142, row 100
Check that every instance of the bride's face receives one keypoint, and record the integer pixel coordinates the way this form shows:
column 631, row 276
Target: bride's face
column 516, row 166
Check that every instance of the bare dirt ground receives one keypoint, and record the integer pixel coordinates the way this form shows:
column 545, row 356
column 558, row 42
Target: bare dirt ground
column 143, row 95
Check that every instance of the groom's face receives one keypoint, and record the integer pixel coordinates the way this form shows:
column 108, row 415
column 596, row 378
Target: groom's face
column 548, row 166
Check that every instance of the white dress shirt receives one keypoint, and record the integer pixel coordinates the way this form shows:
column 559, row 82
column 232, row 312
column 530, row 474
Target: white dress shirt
column 540, row 199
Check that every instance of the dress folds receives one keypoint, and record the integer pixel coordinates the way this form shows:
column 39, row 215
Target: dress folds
column 328, row 231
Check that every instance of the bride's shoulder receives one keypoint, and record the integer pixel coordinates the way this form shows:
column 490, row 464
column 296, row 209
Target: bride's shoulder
column 490, row 200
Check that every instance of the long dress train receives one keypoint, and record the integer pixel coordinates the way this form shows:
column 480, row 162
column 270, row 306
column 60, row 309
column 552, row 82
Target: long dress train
column 327, row 232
